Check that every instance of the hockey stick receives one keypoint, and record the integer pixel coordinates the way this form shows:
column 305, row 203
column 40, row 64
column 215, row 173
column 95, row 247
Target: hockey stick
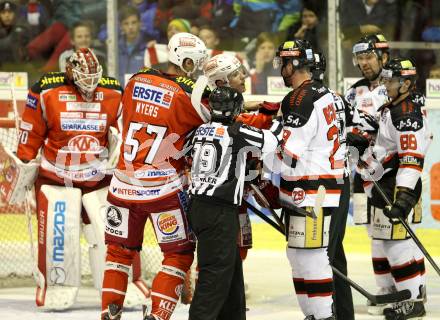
column 264, row 217
column 377, row 299
column 265, row 202
column 406, row 226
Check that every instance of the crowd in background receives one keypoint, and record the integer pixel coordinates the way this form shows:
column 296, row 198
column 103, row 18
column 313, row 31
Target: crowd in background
column 38, row 35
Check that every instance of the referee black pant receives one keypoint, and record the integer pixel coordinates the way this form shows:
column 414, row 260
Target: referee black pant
column 343, row 299
column 219, row 292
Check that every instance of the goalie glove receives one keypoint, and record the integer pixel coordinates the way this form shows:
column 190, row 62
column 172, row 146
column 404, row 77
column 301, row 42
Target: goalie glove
column 402, row 206
column 16, row 177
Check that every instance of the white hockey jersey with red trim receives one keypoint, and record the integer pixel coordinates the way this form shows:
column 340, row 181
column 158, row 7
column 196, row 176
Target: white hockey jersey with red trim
column 311, row 150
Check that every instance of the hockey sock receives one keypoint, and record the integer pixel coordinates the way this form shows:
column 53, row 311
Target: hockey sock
column 167, row 285
column 114, row 287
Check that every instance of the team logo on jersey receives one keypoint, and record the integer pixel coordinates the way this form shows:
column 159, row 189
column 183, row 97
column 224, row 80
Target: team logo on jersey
column 298, row 195
column 114, row 216
column 64, row 97
column 57, row 275
column 84, row 142
column 152, row 94
column 167, row 223
column 31, row 102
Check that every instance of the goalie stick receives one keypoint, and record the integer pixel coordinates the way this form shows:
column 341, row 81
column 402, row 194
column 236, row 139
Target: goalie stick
column 377, row 299
column 405, row 225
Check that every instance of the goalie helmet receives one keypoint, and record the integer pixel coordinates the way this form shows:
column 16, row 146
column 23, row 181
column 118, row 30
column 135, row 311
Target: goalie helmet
column 226, row 104
column 222, row 67
column 299, row 52
column 374, row 43
column 187, row 46
column 86, row 71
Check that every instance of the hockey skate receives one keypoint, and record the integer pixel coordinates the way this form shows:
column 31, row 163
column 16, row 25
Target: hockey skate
column 113, row 312
column 378, row 309
column 405, row 310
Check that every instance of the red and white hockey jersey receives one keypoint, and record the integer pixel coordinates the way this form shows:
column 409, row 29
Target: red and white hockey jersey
column 71, row 131
column 401, row 145
column 311, row 152
column 157, row 116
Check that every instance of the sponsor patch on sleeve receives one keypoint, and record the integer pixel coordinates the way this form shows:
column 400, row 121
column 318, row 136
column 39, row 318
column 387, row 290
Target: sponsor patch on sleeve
column 31, row 102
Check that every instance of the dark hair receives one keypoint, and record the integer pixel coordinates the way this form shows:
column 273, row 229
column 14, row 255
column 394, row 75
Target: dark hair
column 84, row 23
column 128, row 11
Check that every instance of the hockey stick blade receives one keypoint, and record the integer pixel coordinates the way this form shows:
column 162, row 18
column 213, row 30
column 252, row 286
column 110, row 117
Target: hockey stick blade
column 376, row 299
column 263, row 217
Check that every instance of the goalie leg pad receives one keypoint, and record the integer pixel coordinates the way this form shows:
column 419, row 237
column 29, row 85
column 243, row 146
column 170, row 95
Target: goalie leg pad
column 95, row 204
column 168, row 283
column 59, row 251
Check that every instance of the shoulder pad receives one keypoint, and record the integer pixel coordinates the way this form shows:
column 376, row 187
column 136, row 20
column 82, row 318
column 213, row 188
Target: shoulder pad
column 297, row 106
column 109, row 83
column 407, row 116
column 49, row 80
column 360, row 83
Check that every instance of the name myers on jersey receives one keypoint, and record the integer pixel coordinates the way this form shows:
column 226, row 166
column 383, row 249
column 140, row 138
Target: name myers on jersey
column 59, row 221
column 148, row 93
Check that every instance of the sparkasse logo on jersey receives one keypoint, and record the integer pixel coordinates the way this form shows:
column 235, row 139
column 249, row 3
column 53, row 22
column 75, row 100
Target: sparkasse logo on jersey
column 148, row 93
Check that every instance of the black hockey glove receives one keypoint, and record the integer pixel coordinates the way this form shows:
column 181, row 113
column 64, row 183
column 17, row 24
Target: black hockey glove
column 359, row 141
column 402, row 206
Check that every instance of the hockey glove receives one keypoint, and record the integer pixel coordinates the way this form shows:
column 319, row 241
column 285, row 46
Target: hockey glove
column 358, row 141
column 270, row 108
column 402, row 206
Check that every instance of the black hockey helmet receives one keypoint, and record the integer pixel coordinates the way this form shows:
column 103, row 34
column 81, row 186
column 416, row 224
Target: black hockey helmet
column 226, row 103
column 375, row 43
column 401, row 68
column 319, row 66
column 299, row 52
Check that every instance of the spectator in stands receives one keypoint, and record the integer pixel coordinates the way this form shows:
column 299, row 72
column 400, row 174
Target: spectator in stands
column 209, row 36
column 36, row 16
column 81, row 36
column 132, row 42
column 307, row 28
column 177, row 26
column 55, row 39
column 197, row 12
column 262, row 68
column 13, row 34
column 434, row 73
column 222, row 16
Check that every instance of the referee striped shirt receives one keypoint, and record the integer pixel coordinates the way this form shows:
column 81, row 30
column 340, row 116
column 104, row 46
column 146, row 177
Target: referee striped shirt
column 219, row 157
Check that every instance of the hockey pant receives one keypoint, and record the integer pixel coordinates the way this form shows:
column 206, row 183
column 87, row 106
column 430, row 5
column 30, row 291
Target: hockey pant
column 168, row 217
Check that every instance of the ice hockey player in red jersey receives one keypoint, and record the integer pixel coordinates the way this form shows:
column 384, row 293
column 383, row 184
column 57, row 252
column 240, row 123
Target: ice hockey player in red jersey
column 69, row 117
column 398, row 154
column 149, row 181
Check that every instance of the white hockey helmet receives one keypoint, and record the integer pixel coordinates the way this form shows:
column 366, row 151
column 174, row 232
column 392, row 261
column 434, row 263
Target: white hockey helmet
column 86, row 71
column 221, row 67
column 185, row 45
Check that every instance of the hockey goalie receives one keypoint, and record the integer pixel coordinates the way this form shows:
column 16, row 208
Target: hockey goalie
column 70, row 118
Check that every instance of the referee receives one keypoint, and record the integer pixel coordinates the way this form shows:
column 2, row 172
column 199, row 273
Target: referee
column 217, row 182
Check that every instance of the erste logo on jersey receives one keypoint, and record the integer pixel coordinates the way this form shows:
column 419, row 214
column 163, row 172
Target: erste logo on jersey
column 167, row 223
column 31, row 102
column 152, row 94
